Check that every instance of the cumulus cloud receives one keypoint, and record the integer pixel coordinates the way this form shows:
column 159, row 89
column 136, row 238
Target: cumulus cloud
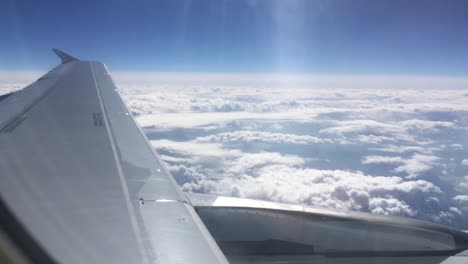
column 413, row 166
column 212, row 167
column 463, row 199
column 213, row 161
column 464, row 162
column 418, row 164
column 336, row 189
column 391, row 206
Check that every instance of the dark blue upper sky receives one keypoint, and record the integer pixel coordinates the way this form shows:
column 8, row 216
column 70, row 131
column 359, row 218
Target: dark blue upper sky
column 338, row 36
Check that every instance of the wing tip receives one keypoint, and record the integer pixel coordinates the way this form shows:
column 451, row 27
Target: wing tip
column 64, row 56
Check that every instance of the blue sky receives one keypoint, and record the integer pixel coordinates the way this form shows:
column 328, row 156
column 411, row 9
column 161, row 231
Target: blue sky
column 318, row 37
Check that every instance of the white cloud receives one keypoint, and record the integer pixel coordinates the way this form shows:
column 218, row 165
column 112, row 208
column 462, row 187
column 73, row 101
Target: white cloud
column 250, row 163
column 328, row 188
column 190, row 120
column 462, row 203
column 362, row 126
column 464, row 186
column 373, row 139
column 4, row 89
column 403, row 149
column 18, row 79
column 261, row 136
column 213, row 160
column 464, row 162
column 418, row 164
column 463, row 199
column 427, row 126
column 457, row 146
column 413, row 166
column 382, row 159
column 371, row 131
column 192, row 148
column 390, row 206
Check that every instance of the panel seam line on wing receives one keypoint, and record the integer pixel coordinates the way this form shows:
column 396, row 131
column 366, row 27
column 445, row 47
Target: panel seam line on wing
column 130, row 208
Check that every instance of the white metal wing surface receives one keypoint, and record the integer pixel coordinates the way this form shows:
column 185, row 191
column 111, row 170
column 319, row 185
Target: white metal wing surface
column 81, row 177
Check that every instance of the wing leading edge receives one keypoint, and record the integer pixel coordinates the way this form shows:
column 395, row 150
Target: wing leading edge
column 80, row 175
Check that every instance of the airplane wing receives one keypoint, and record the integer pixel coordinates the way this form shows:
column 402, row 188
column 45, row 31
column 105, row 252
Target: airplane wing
column 81, row 179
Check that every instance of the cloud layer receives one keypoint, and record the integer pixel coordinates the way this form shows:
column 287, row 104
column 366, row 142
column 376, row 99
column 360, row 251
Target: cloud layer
column 386, row 151
column 359, row 144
